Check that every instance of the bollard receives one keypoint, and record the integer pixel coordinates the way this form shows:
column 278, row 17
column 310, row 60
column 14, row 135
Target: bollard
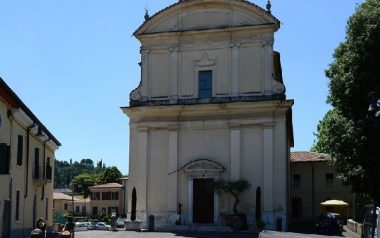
column 279, row 224
column 151, row 223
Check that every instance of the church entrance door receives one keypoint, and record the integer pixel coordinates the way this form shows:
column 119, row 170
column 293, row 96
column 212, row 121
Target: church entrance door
column 203, row 201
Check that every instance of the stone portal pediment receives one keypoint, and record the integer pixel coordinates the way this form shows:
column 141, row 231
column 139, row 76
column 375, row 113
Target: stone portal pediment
column 203, row 165
column 197, row 15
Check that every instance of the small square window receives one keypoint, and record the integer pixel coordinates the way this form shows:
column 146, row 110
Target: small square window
column 297, row 180
column 329, row 179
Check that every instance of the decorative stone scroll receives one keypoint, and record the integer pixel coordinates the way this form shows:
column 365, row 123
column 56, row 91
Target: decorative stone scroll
column 203, row 168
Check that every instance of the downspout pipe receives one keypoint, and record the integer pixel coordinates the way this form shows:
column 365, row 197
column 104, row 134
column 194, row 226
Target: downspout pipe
column 44, row 174
column 10, row 118
column 312, row 191
column 28, row 130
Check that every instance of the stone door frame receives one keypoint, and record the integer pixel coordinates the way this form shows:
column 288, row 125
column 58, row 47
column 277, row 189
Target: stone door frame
column 202, row 169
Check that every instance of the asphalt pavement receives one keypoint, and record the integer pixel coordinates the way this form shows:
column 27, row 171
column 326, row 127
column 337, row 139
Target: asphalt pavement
column 132, row 234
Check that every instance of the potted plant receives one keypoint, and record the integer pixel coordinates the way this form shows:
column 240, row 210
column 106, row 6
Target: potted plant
column 234, row 188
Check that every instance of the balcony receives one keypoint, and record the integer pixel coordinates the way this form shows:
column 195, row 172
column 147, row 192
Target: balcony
column 42, row 175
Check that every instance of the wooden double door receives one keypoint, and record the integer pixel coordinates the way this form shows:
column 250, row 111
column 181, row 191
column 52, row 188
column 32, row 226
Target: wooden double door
column 203, row 201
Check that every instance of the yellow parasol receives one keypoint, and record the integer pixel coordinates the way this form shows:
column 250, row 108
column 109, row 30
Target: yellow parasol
column 337, row 206
column 334, row 203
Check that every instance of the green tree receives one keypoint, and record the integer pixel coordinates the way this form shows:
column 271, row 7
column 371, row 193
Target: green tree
column 235, row 188
column 65, row 171
column 111, row 175
column 82, row 182
column 346, row 132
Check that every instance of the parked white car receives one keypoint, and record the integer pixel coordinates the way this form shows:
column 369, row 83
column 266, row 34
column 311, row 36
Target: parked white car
column 120, row 222
column 80, row 226
column 102, row 226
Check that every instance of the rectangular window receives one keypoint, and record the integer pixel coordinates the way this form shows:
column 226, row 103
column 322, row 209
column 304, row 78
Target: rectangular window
column 112, row 210
column 106, row 195
column 205, row 84
column 65, row 206
column 115, row 196
column 94, row 211
column 37, row 163
column 49, row 169
column 297, row 181
column 77, row 209
column 95, row 196
column 17, row 206
column 20, row 147
column 329, row 179
column 104, row 210
column 4, row 158
column 84, row 210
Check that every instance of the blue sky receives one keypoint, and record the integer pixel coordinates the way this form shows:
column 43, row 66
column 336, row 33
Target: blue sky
column 74, row 64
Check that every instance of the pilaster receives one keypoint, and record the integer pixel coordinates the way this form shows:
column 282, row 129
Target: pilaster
column 190, row 200
column 174, row 73
column 268, row 66
column 173, row 166
column 142, row 171
column 268, row 192
column 235, row 69
column 235, row 153
column 144, row 74
column 268, row 168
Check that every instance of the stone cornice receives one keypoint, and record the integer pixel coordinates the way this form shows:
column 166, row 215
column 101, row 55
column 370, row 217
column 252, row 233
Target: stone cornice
column 199, row 110
column 228, row 30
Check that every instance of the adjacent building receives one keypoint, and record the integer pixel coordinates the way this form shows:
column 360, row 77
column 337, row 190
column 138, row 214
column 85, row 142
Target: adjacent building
column 313, row 181
column 124, row 183
column 26, row 167
column 107, row 199
column 211, row 105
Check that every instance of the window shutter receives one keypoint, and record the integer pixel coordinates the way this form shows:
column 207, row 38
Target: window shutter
column 20, row 147
column 36, row 163
column 4, row 158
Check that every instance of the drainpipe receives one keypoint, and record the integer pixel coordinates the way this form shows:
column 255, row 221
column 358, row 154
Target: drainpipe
column 44, row 172
column 27, row 157
column 312, row 192
column 10, row 118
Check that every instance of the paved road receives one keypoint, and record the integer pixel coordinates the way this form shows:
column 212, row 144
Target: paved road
column 131, row 234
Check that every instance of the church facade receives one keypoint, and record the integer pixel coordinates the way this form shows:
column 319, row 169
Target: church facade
column 211, row 105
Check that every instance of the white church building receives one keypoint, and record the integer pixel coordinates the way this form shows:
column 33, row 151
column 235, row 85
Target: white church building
column 211, row 105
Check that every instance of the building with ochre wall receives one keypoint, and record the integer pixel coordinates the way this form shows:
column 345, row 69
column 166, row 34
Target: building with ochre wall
column 26, row 167
column 211, row 105
column 107, row 199
column 313, row 181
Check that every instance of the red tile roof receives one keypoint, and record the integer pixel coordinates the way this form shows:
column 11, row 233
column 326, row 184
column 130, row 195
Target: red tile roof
column 304, row 156
column 107, row 185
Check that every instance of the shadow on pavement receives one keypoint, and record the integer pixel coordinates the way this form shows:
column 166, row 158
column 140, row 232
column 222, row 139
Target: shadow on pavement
column 308, row 228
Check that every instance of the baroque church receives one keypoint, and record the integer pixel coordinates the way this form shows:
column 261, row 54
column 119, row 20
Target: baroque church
column 210, row 105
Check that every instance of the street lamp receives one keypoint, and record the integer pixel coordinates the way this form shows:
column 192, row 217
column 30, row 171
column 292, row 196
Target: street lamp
column 372, row 117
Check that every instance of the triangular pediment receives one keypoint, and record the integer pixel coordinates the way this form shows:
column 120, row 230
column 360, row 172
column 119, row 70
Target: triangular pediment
column 203, row 165
column 190, row 15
